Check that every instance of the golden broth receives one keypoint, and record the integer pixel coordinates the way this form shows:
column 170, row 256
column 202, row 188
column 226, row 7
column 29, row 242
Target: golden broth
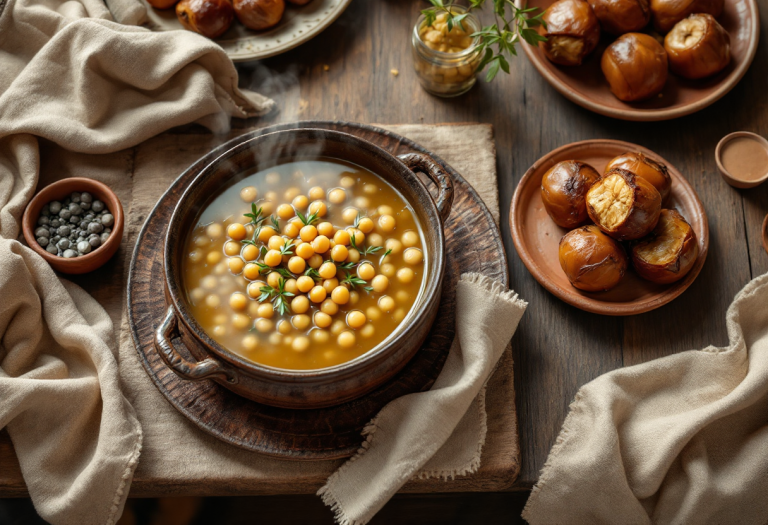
column 235, row 290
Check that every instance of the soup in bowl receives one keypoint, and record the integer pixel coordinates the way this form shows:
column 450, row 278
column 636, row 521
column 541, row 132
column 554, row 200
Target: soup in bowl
column 303, row 268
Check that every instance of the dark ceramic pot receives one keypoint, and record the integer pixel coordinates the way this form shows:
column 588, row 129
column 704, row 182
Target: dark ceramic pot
column 303, row 388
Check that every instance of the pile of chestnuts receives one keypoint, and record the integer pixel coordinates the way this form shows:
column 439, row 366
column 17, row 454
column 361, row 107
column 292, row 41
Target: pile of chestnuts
column 75, row 226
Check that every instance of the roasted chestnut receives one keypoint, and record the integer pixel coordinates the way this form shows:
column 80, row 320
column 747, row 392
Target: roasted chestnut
column 669, row 252
column 621, row 16
column 259, row 14
column 591, row 260
column 698, row 47
column 666, row 13
column 572, row 32
column 564, row 189
column 646, row 168
column 210, row 18
column 162, row 4
column 635, row 66
column 623, row 205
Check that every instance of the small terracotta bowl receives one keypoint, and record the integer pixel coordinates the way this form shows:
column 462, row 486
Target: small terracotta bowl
column 729, row 177
column 59, row 191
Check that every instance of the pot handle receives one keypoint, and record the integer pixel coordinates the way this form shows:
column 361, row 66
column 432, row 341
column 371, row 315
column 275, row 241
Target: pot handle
column 205, row 369
column 431, row 168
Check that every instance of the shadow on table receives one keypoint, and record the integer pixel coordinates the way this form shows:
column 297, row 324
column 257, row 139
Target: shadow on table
column 405, row 509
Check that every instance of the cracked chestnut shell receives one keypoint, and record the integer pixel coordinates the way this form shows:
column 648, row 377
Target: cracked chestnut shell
column 564, row 190
column 666, row 13
column 621, row 16
column 644, row 167
column 259, row 14
column 210, row 18
column 623, row 205
column 669, row 252
column 591, row 260
column 698, row 47
column 635, row 65
column 572, row 32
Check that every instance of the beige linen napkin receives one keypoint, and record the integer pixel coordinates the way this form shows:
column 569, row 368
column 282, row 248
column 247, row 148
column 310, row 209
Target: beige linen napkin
column 431, row 433
column 681, row 439
column 89, row 85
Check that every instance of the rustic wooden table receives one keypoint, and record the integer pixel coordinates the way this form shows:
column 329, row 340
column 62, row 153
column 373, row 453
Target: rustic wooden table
column 345, row 74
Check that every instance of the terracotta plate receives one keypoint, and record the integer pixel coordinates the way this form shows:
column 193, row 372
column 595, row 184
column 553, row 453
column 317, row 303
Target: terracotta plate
column 536, row 237
column 299, row 24
column 586, row 86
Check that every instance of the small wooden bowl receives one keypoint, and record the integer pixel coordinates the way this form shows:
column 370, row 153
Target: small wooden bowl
column 586, row 86
column 729, row 177
column 537, row 237
column 60, row 190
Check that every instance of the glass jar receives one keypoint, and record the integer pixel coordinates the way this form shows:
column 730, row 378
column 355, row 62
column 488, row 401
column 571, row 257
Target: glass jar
column 446, row 74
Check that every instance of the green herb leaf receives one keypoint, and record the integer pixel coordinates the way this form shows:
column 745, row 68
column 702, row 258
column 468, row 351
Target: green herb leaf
column 285, row 249
column 306, row 220
column 311, row 272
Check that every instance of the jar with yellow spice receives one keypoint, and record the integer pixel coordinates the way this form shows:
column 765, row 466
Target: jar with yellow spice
column 446, row 60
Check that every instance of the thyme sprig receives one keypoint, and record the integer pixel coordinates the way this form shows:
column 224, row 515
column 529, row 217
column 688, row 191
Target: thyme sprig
column 381, row 261
column 277, row 296
column 509, row 28
column 306, row 220
column 286, row 248
column 354, row 280
column 362, row 249
column 255, row 215
column 311, row 272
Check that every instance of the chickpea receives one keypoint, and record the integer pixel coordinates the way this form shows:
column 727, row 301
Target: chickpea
column 357, row 234
column 236, row 265
column 316, row 193
column 340, row 295
column 296, row 264
column 410, row 238
column 339, row 253
column 320, row 336
column 273, row 258
column 362, row 202
column 241, row 321
column 365, row 271
column 275, row 338
column 321, row 244
column 220, row 269
column 349, row 215
column 214, row 231
column 337, row 196
column 238, row 301
column 329, row 285
column 292, row 193
column 250, row 342
column 322, row 320
column 291, row 230
column 209, row 282
column 301, row 321
column 385, row 210
column 394, row 246
column 284, row 327
column 353, row 297
column 231, row 248
column 317, row 294
column 325, row 228
column 249, row 194
column 249, row 229
column 251, row 271
column 380, row 283
column 266, row 233
column 213, row 301
column 308, row 233
column 329, row 307
column 386, row 303
column 291, row 286
column 346, row 339
column 236, row 231
column 387, row 223
column 305, row 283
column 265, row 310
column 285, row 211
column 367, row 331
column 253, row 289
column 413, row 256
column 375, row 239
column 370, row 189
column 196, row 256
column 300, row 304
column 305, row 250
column 353, row 256
column 197, row 295
column 347, row 181
column 338, row 326
column 202, row 241
column 341, row 237
column 402, row 296
column 275, row 243
column 356, row 319
column 213, row 257
column 327, row 270
column 272, row 179
column 267, row 208
column 315, row 261
column 250, row 253
column 300, row 344
column 399, row 315
column 405, row 275
column 219, row 331
column 387, row 270
column 300, row 202
column 273, row 279
column 365, row 225
column 319, row 208
column 373, row 313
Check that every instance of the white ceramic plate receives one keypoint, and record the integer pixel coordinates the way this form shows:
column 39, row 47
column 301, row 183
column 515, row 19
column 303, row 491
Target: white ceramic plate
column 299, row 24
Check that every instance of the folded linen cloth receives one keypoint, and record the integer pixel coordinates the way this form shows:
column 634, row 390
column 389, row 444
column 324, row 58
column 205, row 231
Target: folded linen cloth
column 681, row 439
column 90, row 85
column 433, row 433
